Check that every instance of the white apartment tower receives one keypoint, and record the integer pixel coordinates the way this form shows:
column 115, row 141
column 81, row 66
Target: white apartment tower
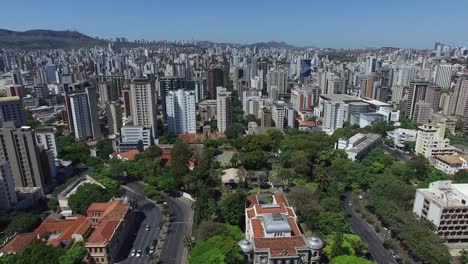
column 223, row 109
column 143, row 103
column 181, row 113
column 443, row 77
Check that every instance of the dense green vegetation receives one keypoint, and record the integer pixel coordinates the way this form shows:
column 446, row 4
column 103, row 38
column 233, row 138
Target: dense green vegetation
column 87, row 194
column 17, row 222
column 38, row 253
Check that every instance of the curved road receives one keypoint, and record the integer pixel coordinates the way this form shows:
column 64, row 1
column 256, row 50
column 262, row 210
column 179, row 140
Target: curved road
column 367, row 234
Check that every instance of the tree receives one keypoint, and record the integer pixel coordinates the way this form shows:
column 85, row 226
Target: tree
column 19, row 222
column 75, row 254
column 180, row 156
column 104, row 148
column 460, row 177
column 234, row 131
column 85, row 195
column 331, row 222
column 419, row 165
column 233, row 207
column 151, row 152
column 322, row 177
column 349, row 260
column 52, row 204
column 37, row 253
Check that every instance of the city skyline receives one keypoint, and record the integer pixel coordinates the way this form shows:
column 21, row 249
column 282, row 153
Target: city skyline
column 334, row 24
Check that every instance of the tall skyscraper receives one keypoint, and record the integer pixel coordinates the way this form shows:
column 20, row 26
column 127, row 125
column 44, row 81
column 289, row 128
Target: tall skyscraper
column 370, row 66
column 11, row 110
column 406, row 74
column 416, row 92
column 45, row 136
column 143, row 102
column 305, row 69
column 433, row 95
column 84, row 114
column 107, row 92
column 443, row 77
column 166, row 85
column 18, row 147
column 215, row 78
column 181, row 113
column 372, row 79
column 223, row 109
column 277, row 79
column 422, row 113
column 460, row 96
column 126, row 94
column 114, row 117
column 8, row 196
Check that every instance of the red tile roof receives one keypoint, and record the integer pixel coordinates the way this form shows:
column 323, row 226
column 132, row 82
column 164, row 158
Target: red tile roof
column 257, row 228
column 130, row 155
column 19, row 242
column 53, row 226
column 278, row 245
column 306, row 123
column 281, row 199
column 253, row 200
column 103, row 233
column 80, row 226
column 271, row 210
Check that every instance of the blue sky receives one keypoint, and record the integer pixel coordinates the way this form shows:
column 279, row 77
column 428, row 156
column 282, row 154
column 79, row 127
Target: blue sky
column 322, row 23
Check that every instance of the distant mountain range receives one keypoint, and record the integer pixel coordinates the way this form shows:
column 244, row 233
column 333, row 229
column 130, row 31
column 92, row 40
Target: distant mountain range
column 44, row 39
column 51, row 39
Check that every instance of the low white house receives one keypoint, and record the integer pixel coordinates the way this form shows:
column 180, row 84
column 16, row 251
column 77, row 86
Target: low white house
column 451, row 164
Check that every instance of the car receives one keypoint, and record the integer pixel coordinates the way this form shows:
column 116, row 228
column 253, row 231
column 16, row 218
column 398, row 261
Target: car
column 154, row 243
column 349, row 216
column 151, row 249
column 350, row 203
column 147, row 228
column 138, row 254
column 360, row 197
column 146, row 252
column 133, row 253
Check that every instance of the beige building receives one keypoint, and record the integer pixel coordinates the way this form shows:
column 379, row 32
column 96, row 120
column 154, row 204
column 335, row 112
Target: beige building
column 114, row 117
column 223, row 109
column 207, row 110
column 431, row 141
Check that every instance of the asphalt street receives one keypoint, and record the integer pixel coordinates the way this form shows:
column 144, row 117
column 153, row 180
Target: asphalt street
column 148, row 214
column 180, row 216
column 367, row 234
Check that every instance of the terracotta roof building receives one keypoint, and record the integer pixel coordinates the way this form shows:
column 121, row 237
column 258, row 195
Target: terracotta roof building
column 18, row 242
column 273, row 236
column 113, row 223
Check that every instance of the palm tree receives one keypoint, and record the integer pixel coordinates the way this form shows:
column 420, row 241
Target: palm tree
column 322, row 177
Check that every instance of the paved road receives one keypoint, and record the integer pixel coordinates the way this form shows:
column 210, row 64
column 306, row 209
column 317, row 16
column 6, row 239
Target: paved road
column 180, row 215
column 148, row 214
column 367, row 234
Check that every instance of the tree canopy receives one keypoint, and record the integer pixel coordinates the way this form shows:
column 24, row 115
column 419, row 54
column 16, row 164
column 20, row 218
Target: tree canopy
column 85, row 195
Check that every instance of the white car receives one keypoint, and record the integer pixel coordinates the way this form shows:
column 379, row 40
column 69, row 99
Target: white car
column 133, row 253
column 147, row 228
column 138, row 254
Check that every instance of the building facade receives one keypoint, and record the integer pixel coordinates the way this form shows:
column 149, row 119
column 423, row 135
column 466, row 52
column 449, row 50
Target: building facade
column 223, row 109
column 181, row 114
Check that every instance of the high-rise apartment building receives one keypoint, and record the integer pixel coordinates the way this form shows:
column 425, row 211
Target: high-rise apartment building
column 107, row 92
column 406, row 74
column 422, row 113
column 433, row 95
column 114, row 117
column 207, row 110
column 18, row 147
column 372, row 82
column 143, row 102
column 169, row 84
column 216, row 77
column 460, row 96
column 127, row 102
column 84, row 114
column 181, row 113
column 370, row 64
column 443, row 76
column 45, row 136
column 277, row 79
column 416, row 92
column 223, row 109
column 278, row 114
column 8, row 196
column 11, row 110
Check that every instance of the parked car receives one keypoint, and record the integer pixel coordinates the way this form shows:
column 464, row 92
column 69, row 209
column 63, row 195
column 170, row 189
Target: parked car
column 151, row 249
column 138, row 254
column 147, row 228
column 133, row 253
